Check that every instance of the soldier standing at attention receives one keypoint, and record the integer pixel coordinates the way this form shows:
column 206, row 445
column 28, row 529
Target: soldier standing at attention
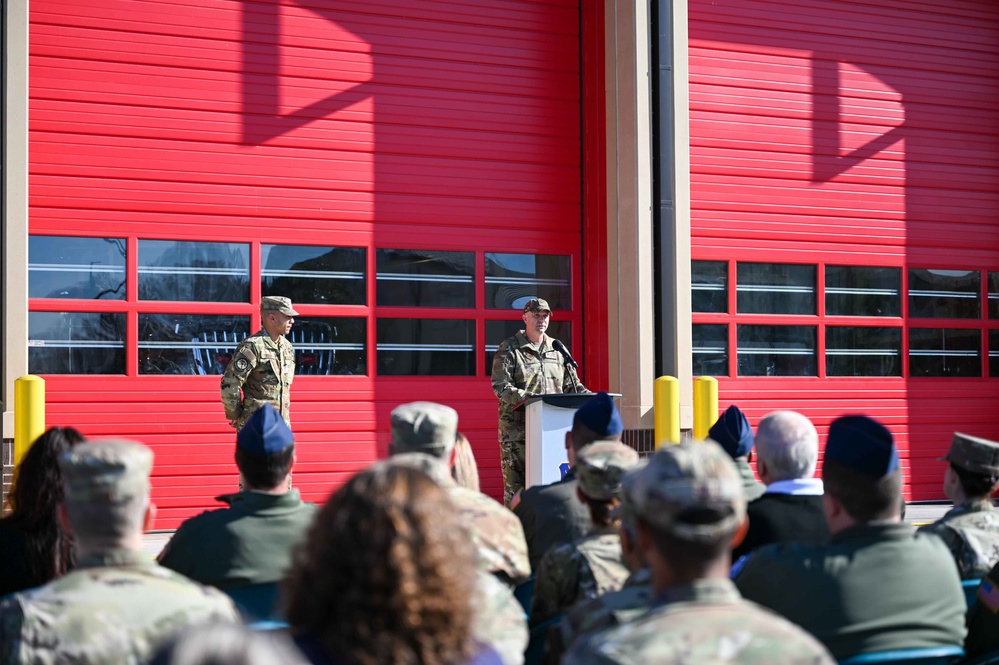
column 527, row 364
column 263, row 366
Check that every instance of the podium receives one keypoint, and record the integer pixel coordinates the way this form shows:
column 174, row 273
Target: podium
column 548, row 418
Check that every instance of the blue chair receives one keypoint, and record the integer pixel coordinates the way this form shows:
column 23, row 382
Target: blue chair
column 985, row 659
column 267, row 625
column 971, row 590
column 539, row 635
column 922, row 656
column 256, row 602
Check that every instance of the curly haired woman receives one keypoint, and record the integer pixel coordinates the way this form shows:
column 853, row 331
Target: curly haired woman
column 385, row 577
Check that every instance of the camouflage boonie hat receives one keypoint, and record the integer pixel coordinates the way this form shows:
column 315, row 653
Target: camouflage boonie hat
column 973, row 453
column 106, row 471
column 424, row 427
column 277, row 304
column 537, row 305
column 600, row 467
column 688, row 477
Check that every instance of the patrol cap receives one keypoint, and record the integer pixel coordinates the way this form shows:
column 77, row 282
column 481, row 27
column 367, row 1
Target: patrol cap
column 277, row 304
column 600, row 467
column 973, row 453
column 106, row 471
column 265, row 433
column 862, row 444
column 681, row 479
column 599, row 414
column 537, row 305
column 733, row 432
column 424, row 427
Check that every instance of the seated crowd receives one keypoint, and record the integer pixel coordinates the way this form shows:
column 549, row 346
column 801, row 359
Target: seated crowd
column 683, row 557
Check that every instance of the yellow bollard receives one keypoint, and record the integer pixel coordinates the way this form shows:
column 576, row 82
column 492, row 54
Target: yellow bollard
column 705, row 405
column 666, row 406
column 29, row 414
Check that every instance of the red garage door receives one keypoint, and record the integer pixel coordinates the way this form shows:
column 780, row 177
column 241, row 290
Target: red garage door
column 407, row 172
column 845, row 184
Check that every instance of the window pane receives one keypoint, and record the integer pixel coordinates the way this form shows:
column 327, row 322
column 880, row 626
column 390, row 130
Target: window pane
column 87, row 268
column 194, row 271
column 856, row 351
column 994, row 353
column 330, row 345
column 994, row 295
column 497, row 331
column 944, row 294
column 945, row 352
column 777, row 350
column 709, row 285
column 314, row 275
column 425, row 347
column 188, row 343
column 421, row 278
column 710, row 345
column 76, row 343
column 513, row 279
column 775, row 288
column 857, row 291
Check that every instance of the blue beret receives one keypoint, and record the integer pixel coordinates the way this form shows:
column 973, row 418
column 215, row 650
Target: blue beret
column 600, row 414
column 862, row 444
column 265, row 433
column 733, row 432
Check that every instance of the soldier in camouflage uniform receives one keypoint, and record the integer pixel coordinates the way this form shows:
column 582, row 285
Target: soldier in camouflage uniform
column 117, row 606
column 525, row 365
column 971, row 528
column 593, row 565
column 690, row 503
column 263, row 366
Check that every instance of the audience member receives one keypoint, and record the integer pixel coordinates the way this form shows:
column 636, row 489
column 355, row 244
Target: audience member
column 690, row 505
column 733, row 433
column 787, row 449
column 34, row 546
column 117, row 606
column 465, row 471
column 386, row 576
column 983, row 618
column 229, row 644
column 879, row 585
column 552, row 514
column 592, row 565
column 249, row 542
column 971, row 528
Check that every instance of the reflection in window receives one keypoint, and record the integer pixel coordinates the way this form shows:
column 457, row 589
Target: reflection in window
column 513, row 279
column 863, row 291
column 497, row 331
column 776, row 350
column 422, row 278
column 188, row 343
column 994, row 295
column 994, row 353
column 775, row 288
column 76, row 343
column 944, row 294
column 709, row 286
column 710, row 346
column 426, row 347
column 86, row 268
column 861, row 351
column 194, row 271
column 330, row 345
column 314, row 275
column 945, row 352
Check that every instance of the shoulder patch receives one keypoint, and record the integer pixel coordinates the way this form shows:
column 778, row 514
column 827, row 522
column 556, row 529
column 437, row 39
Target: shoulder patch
column 988, row 595
column 242, row 364
column 515, row 501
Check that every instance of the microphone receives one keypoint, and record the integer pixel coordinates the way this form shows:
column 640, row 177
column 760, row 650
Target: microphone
column 560, row 347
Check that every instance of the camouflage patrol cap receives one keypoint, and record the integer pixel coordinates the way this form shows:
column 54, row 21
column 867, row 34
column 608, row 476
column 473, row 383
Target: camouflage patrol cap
column 424, row 427
column 680, row 480
column 537, row 305
column 600, row 467
column 106, row 471
column 973, row 453
column 277, row 304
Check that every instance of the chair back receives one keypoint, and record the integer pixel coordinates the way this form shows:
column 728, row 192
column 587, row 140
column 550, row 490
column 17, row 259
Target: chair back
column 922, row 656
column 971, row 589
column 257, row 602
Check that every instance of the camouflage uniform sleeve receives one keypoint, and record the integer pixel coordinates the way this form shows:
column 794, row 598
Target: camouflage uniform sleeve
column 505, row 376
column 554, row 589
column 11, row 627
column 571, row 382
column 242, row 363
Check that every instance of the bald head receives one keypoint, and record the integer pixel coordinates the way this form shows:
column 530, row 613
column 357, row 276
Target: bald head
column 788, row 445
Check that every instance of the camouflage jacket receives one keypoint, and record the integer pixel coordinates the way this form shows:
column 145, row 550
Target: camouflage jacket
column 586, row 568
column 496, row 533
column 754, row 488
column 261, row 371
column 522, row 369
column 971, row 533
column 595, row 614
column 705, row 622
column 499, row 619
column 115, row 607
